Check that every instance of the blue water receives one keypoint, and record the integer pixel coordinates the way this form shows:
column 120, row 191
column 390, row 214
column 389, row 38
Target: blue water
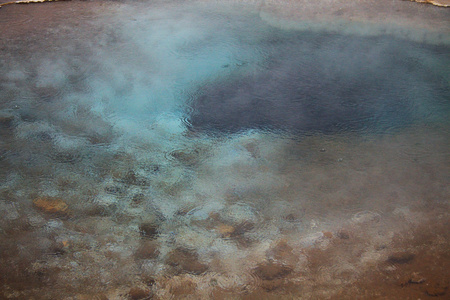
column 328, row 83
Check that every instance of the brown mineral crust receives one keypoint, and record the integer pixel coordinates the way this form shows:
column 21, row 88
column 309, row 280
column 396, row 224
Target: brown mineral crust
column 442, row 3
column 436, row 289
column 423, row 275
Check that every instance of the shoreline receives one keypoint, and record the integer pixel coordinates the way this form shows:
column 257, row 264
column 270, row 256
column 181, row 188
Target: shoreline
column 405, row 19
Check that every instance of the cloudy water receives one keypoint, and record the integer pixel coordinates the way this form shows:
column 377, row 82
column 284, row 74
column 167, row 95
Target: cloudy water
column 199, row 150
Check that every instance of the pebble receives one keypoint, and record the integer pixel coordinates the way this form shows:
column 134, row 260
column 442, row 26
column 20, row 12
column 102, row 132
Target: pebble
column 51, row 205
column 226, row 230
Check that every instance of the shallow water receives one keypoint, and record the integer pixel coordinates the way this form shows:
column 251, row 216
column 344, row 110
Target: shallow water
column 196, row 150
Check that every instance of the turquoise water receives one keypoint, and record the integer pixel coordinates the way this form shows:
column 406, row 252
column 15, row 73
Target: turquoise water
column 196, row 142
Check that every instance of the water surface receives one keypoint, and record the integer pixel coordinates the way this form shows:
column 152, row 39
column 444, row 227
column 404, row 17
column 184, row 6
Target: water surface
column 196, row 150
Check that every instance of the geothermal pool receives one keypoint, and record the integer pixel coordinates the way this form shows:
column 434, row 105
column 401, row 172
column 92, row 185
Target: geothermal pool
column 224, row 150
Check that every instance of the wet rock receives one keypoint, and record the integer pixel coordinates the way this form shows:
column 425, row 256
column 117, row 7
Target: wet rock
column 271, row 285
column 113, row 190
column 151, row 168
column 148, row 280
column 65, row 157
column 58, row 248
column 225, row 230
column 343, row 234
column 186, row 261
column 242, row 228
column 185, row 209
column 366, row 217
column 132, row 179
column 253, row 149
column 416, row 278
column 187, row 157
column 51, row 205
column 137, row 293
column 291, row 218
column 327, row 234
column 92, row 297
column 239, row 233
column 138, row 199
column 8, row 211
column 271, row 270
column 282, row 253
column 181, row 286
column 400, row 257
column 147, row 250
column 148, row 230
column 6, row 120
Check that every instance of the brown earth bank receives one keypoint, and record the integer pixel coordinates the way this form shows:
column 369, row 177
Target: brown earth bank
column 441, row 3
column 414, row 265
column 339, row 15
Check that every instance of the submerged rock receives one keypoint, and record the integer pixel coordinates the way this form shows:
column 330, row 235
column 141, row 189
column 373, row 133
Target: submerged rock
column 271, row 270
column 51, row 205
column 148, row 230
column 147, row 250
column 225, row 230
column 343, row 234
column 186, row 261
column 137, row 293
column 282, row 253
column 187, row 157
column 132, row 179
column 6, row 120
column 400, row 257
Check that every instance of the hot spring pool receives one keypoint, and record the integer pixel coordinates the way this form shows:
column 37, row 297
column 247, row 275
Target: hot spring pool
column 231, row 150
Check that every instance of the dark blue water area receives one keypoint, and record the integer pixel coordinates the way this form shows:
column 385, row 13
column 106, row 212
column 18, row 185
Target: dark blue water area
column 310, row 82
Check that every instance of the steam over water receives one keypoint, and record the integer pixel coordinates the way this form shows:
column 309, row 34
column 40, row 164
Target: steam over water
column 327, row 83
column 196, row 150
